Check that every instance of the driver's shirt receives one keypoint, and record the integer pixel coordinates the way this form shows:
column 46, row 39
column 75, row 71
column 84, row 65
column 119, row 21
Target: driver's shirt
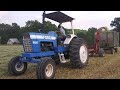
column 62, row 31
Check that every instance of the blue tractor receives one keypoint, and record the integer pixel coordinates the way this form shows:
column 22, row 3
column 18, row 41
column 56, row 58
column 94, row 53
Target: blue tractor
column 43, row 48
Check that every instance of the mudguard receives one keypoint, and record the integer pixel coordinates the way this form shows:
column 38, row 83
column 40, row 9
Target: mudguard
column 69, row 38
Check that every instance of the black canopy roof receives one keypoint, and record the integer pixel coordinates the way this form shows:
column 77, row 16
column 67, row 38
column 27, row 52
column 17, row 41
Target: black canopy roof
column 59, row 17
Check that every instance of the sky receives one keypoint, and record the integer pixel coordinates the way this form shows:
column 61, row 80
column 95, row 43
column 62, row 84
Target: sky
column 83, row 19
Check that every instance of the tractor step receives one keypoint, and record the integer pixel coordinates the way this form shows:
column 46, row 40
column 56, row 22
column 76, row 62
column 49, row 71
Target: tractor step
column 62, row 58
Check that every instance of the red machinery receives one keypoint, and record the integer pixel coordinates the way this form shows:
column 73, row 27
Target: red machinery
column 95, row 48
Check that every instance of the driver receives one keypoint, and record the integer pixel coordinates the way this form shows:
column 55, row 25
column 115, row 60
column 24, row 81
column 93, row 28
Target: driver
column 62, row 34
column 61, row 30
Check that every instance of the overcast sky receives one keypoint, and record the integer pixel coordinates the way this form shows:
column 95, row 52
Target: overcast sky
column 83, row 19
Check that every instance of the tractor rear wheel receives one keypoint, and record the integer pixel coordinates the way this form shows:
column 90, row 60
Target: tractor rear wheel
column 46, row 68
column 15, row 67
column 78, row 52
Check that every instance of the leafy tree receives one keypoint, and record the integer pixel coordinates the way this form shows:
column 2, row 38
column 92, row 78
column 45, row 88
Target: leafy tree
column 116, row 24
column 82, row 34
column 32, row 26
column 92, row 29
column 50, row 27
column 4, row 29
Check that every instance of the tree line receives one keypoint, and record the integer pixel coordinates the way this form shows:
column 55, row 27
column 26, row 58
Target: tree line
column 15, row 31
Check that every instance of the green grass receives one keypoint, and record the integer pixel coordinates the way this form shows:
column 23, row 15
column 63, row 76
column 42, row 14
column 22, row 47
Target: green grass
column 107, row 67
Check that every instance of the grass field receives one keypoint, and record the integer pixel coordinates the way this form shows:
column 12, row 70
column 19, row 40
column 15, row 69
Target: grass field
column 107, row 67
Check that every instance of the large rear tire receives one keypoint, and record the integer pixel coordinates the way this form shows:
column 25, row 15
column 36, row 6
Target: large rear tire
column 15, row 67
column 78, row 53
column 46, row 68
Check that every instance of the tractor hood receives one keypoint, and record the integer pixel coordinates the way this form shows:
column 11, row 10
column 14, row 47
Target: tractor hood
column 50, row 36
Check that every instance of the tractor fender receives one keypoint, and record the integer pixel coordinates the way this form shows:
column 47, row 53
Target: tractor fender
column 69, row 38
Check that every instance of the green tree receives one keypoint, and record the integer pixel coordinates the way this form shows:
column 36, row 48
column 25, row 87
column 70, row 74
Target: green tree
column 16, row 30
column 32, row 26
column 50, row 27
column 92, row 29
column 82, row 34
column 4, row 32
column 116, row 24
column 91, row 35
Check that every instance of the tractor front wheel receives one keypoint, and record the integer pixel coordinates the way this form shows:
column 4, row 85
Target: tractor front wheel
column 15, row 67
column 46, row 68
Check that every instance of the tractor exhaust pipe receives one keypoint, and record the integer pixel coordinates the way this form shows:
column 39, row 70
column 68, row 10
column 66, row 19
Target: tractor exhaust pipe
column 43, row 22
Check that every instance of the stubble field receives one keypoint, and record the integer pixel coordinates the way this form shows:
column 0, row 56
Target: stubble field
column 107, row 67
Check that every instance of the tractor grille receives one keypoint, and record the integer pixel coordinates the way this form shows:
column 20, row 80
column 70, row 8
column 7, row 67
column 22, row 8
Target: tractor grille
column 27, row 43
